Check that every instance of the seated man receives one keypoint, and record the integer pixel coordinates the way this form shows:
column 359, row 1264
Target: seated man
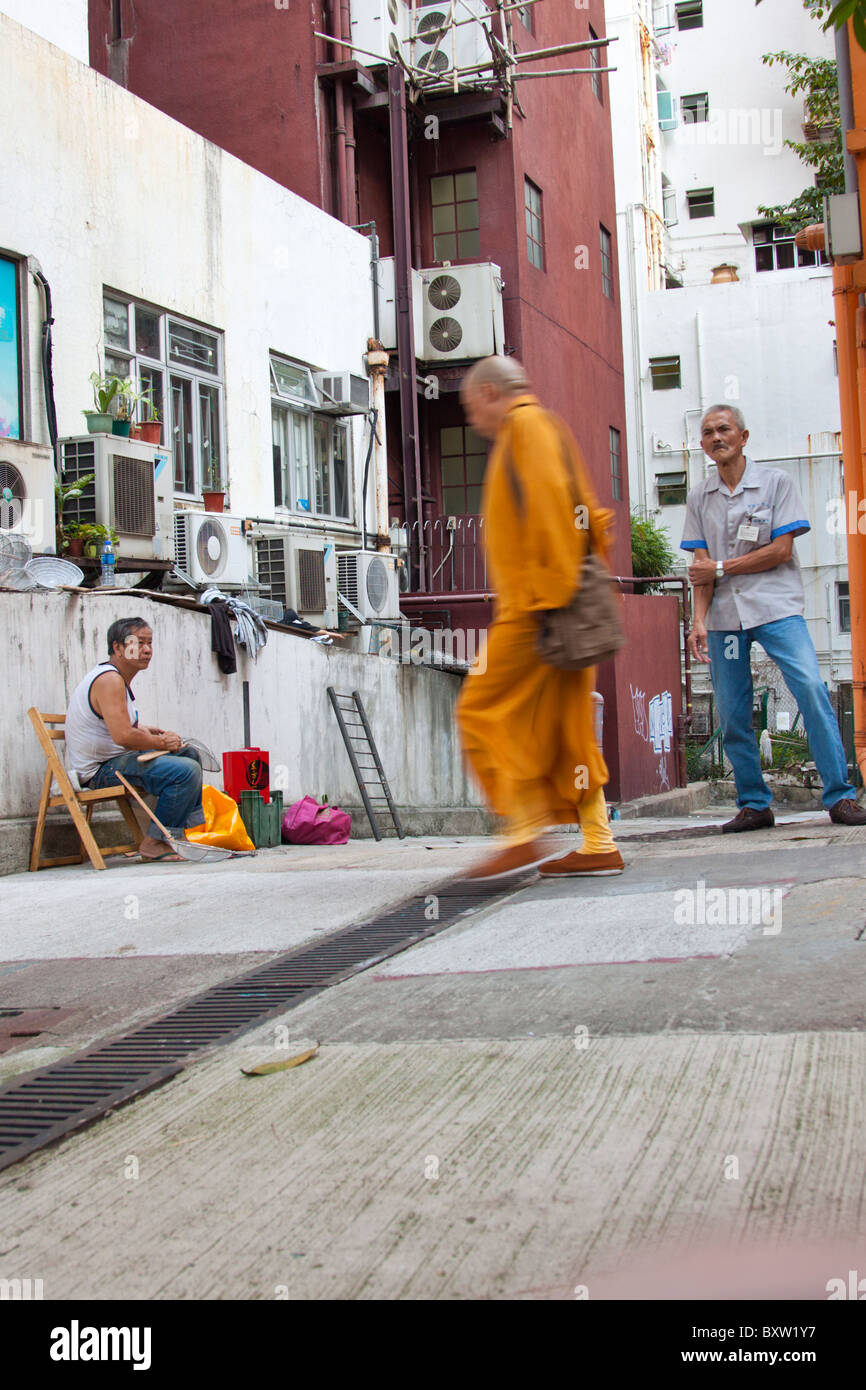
column 104, row 736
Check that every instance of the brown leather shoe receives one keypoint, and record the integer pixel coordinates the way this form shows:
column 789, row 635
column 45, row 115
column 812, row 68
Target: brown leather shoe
column 578, row 865
column 749, row 819
column 847, row 812
column 511, row 860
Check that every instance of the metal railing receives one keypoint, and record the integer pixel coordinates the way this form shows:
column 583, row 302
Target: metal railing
column 456, row 563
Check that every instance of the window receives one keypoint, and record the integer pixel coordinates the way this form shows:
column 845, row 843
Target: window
column 606, row 262
column 463, row 456
column 534, row 224
column 615, row 465
column 665, row 373
column 10, row 351
column 673, row 489
column 843, row 604
column 454, row 198
column 526, row 14
column 775, row 249
column 180, row 365
column 695, row 107
column 690, row 14
column 595, row 64
column 310, row 450
column 702, row 202
column 116, row 20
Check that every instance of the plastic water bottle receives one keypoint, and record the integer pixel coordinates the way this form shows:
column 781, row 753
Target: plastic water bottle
column 109, row 561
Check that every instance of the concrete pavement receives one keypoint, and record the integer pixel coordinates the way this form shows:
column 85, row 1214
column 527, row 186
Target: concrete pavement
column 565, row 1092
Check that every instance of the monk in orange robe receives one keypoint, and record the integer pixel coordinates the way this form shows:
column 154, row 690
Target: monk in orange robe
column 527, row 727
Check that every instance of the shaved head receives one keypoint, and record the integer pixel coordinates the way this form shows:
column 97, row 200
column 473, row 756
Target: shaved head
column 505, row 374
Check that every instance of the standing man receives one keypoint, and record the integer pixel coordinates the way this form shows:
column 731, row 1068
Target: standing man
column 104, row 736
column 527, row 727
column 741, row 523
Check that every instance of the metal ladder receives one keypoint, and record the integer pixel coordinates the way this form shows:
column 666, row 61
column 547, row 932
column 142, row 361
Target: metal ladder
column 362, row 745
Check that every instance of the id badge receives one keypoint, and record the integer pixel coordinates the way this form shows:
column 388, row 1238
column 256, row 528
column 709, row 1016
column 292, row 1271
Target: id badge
column 747, row 532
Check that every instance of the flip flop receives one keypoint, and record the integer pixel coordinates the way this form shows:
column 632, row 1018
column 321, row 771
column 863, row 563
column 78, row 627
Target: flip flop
column 161, row 858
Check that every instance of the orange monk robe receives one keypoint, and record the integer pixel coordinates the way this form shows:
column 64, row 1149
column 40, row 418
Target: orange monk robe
column 527, row 728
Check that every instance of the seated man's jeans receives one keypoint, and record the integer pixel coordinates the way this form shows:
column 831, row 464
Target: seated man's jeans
column 787, row 642
column 174, row 779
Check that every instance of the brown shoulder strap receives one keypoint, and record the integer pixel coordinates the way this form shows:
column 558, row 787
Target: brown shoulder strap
column 514, row 481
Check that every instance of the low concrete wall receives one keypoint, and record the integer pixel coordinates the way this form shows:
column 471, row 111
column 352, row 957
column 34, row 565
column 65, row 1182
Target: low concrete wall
column 50, row 640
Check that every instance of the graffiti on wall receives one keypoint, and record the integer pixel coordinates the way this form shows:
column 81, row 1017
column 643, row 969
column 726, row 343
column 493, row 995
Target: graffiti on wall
column 655, row 725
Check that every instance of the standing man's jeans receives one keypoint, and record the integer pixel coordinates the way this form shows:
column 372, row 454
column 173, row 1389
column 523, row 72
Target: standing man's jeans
column 174, row 779
column 787, row 642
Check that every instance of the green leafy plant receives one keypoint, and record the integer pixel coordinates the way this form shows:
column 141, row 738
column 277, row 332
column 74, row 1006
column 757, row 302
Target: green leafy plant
column 127, row 398
column 94, row 535
column 815, row 79
column 651, row 552
column 105, row 389
column 66, row 492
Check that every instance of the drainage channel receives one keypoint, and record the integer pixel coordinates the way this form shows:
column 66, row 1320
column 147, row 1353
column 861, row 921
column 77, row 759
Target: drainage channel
column 40, row 1107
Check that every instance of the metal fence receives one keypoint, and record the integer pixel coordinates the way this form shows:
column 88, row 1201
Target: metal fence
column 455, row 562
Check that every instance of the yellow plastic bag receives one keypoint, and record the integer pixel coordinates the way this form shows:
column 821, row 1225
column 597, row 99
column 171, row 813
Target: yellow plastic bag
column 223, row 827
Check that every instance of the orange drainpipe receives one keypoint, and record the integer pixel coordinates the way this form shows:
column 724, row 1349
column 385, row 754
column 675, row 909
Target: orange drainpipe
column 855, row 464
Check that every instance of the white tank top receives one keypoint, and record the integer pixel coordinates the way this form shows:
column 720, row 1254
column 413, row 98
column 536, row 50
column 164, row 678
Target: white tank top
column 88, row 742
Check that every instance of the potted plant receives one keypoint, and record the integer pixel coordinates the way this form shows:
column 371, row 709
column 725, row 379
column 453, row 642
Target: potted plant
column 66, row 492
column 127, row 399
column 105, row 388
column 72, row 541
column 93, row 537
column 213, row 489
column 150, row 430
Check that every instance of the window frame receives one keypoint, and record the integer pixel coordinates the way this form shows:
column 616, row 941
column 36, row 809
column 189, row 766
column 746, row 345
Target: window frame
column 689, row 9
column 802, row 259
column 18, row 327
column 466, row 486
column 843, row 605
column 698, row 205
column 295, row 416
column 530, row 214
column 172, row 375
column 673, row 488
column 615, row 448
column 689, row 113
column 660, row 379
column 606, row 252
column 458, row 231
column 595, row 69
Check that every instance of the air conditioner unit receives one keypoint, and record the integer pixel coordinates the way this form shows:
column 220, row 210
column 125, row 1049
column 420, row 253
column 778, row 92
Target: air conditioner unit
column 379, row 28
column 300, row 572
column 343, row 393
column 470, row 39
column 133, row 491
column 212, row 549
column 369, row 581
column 27, row 493
column 388, row 307
column 462, row 312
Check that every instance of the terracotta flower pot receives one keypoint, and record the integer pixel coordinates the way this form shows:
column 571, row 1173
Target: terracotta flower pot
column 214, row 501
column 150, row 431
column 75, row 546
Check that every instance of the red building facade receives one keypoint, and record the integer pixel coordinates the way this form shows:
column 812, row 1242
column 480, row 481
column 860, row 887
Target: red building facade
column 517, row 173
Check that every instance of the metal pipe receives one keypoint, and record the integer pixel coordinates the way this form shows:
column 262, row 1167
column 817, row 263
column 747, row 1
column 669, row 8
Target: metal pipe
column 846, row 105
column 411, row 454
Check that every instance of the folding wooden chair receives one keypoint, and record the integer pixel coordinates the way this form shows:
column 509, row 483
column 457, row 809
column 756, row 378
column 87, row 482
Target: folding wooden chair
column 79, row 804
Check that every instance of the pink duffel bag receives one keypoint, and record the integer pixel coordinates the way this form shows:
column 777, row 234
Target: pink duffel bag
column 308, row 823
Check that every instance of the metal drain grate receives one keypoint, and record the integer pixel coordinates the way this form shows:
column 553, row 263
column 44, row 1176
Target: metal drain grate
column 42, row 1106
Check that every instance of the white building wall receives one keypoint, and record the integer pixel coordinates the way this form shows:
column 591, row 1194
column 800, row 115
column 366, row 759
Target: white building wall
column 103, row 190
column 61, row 22
column 410, row 708
column 765, row 343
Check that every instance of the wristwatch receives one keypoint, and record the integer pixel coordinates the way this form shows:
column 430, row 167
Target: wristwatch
column 720, row 569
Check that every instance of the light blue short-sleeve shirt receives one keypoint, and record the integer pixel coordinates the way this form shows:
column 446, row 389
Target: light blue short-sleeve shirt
column 766, row 503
